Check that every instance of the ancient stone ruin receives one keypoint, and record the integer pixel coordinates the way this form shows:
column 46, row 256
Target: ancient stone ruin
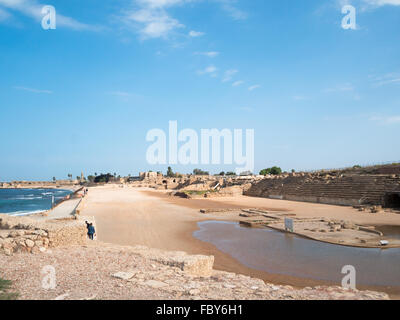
column 340, row 189
column 24, row 234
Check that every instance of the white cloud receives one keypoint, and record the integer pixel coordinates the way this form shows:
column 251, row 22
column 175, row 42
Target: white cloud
column 299, row 98
column 386, row 120
column 33, row 90
column 4, row 15
column 347, row 88
column 195, row 34
column 229, row 75
column 247, row 109
column 154, row 23
column 33, row 9
column 379, row 3
column 211, row 70
column 387, row 79
column 161, row 3
column 252, row 88
column 368, row 4
column 120, row 93
column 151, row 19
column 237, row 83
column 210, row 54
column 340, row 88
column 229, row 7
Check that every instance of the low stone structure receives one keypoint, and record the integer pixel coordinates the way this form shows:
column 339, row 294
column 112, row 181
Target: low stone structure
column 25, row 234
column 194, row 265
column 39, row 184
column 224, row 186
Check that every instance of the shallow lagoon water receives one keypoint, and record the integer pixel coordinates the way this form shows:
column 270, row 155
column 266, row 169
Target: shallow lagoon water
column 280, row 253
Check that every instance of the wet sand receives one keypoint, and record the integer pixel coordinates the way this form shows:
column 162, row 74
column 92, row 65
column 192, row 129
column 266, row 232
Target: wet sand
column 129, row 216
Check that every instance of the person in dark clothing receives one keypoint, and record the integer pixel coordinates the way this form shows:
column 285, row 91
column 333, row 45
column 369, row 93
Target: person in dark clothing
column 91, row 230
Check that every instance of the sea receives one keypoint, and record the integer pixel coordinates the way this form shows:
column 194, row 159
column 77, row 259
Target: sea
column 20, row 202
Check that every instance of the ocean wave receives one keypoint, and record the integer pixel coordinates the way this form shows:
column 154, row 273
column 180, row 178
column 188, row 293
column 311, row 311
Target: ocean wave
column 26, row 198
column 25, row 213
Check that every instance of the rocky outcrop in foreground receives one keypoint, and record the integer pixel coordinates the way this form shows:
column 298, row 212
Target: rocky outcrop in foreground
column 103, row 271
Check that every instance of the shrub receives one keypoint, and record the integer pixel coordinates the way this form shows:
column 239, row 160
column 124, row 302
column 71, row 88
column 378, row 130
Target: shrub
column 4, row 287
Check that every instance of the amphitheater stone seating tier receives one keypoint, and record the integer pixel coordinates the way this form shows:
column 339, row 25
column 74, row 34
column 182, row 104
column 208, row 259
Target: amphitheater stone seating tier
column 338, row 190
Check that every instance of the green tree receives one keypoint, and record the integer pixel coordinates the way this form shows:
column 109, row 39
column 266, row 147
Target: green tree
column 170, row 173
column 273, row 171
column 276, row 171
column 199, row 172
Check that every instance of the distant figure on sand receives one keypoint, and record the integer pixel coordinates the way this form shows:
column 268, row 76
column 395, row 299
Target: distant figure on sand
column 91, row 230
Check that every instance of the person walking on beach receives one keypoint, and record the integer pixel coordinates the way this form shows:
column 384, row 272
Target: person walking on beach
column 91, row 231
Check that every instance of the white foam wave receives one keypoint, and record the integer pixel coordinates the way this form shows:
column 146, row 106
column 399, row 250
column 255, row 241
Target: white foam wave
column 26, row 198
column 25, row 213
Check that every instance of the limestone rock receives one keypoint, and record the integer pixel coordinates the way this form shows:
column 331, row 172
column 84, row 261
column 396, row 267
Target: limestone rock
column 38, row 243
column 124, row 275
column 199, row 265
column 194, row 292
column 155, row 284
column 35, row 250
column 16, row 233
column 8, row 251
column 29, row 243
column 62, row 297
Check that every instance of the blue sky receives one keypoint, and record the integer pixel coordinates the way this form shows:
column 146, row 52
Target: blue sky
column 83, row 96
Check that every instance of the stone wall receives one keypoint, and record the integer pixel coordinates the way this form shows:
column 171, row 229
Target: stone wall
column 25, row 234
column 39, row 184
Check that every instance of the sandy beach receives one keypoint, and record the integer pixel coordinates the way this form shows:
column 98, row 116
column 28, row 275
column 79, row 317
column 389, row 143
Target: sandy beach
column 130, row 216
